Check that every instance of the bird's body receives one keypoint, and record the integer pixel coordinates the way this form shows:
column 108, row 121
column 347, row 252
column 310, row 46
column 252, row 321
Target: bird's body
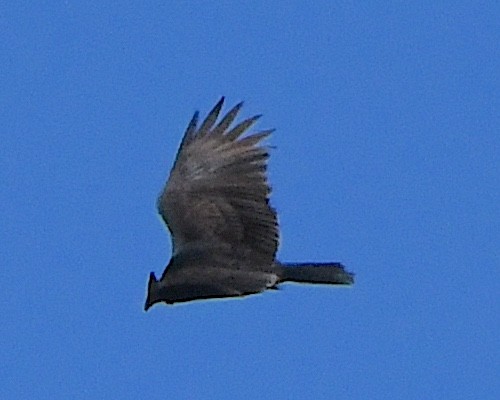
column 224, row 231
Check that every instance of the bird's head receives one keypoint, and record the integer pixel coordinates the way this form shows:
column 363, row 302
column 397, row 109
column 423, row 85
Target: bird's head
column 153, row 292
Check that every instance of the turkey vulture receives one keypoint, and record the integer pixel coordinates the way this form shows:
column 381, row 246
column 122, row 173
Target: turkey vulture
column 224, row 231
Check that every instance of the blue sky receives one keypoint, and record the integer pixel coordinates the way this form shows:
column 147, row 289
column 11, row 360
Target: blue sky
column 386, row 158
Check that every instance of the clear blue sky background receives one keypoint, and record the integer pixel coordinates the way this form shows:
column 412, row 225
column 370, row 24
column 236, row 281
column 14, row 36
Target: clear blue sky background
column 387, row 158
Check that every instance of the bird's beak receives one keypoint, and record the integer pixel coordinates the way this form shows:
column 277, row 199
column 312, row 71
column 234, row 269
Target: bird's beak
column 147, row 306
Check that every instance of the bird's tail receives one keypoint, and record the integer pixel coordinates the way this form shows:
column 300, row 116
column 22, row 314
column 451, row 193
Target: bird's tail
column 325, row 273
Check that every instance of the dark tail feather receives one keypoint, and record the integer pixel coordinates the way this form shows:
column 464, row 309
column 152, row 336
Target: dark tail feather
column 326, row 273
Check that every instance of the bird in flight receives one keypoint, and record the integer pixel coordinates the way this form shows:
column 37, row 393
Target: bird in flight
column 224, row 231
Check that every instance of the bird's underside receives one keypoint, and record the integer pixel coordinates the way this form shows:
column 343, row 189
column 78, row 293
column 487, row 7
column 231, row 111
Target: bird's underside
column 224, row 231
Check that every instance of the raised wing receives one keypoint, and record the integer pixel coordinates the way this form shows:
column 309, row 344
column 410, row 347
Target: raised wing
column 217, row 195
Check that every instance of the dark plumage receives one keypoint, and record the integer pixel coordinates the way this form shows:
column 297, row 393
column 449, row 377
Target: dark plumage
column 224, row 231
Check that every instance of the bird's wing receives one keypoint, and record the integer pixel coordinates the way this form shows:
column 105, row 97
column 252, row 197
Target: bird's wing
column 217, row 194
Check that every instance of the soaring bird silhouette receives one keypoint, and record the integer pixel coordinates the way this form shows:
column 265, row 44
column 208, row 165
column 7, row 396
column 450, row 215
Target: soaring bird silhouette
column 224, row 231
